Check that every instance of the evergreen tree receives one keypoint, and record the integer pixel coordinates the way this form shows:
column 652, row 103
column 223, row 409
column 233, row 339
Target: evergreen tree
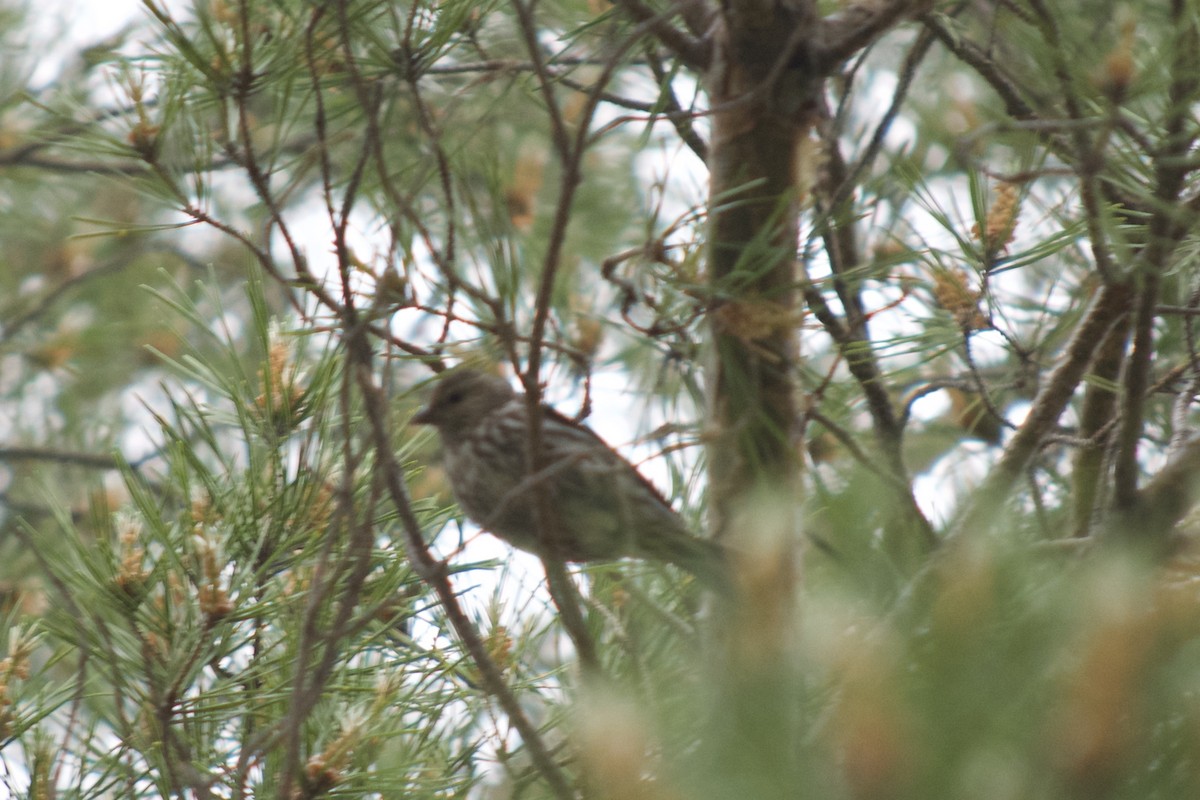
column 893, row 300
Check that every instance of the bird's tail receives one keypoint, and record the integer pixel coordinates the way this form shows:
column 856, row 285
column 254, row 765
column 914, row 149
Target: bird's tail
column 707, row 560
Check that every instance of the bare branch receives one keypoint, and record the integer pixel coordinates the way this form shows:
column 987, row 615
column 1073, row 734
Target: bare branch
column 696, row 53
column 841, row 35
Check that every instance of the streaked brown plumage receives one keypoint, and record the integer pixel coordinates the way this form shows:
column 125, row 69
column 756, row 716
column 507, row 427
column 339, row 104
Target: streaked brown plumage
column 597, row 506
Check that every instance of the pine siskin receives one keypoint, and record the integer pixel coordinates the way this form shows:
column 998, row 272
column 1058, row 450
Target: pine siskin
column 597, row 507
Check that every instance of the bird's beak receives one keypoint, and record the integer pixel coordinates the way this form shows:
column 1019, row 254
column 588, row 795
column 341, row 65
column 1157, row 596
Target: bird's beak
column 422, row 417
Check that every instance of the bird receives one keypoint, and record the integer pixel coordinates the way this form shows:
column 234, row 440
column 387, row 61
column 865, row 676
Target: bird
column 583, row 503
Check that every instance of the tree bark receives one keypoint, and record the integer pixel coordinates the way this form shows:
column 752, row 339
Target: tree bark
column 763, row 109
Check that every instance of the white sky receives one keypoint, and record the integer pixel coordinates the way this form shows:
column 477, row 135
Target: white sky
column 62, row 26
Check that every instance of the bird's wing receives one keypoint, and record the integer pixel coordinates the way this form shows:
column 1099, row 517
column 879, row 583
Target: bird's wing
column 576, row 441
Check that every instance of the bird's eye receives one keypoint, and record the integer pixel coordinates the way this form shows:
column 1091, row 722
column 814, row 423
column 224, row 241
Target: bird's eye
column 454, row 398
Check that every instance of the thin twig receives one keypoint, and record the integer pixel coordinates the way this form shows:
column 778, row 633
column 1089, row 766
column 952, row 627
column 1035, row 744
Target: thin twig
column 433, row 573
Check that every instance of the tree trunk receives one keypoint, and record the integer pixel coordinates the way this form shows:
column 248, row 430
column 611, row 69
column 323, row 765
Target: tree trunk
column 762, row 113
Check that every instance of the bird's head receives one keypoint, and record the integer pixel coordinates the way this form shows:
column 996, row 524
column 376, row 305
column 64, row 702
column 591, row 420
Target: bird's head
column 462, row 398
